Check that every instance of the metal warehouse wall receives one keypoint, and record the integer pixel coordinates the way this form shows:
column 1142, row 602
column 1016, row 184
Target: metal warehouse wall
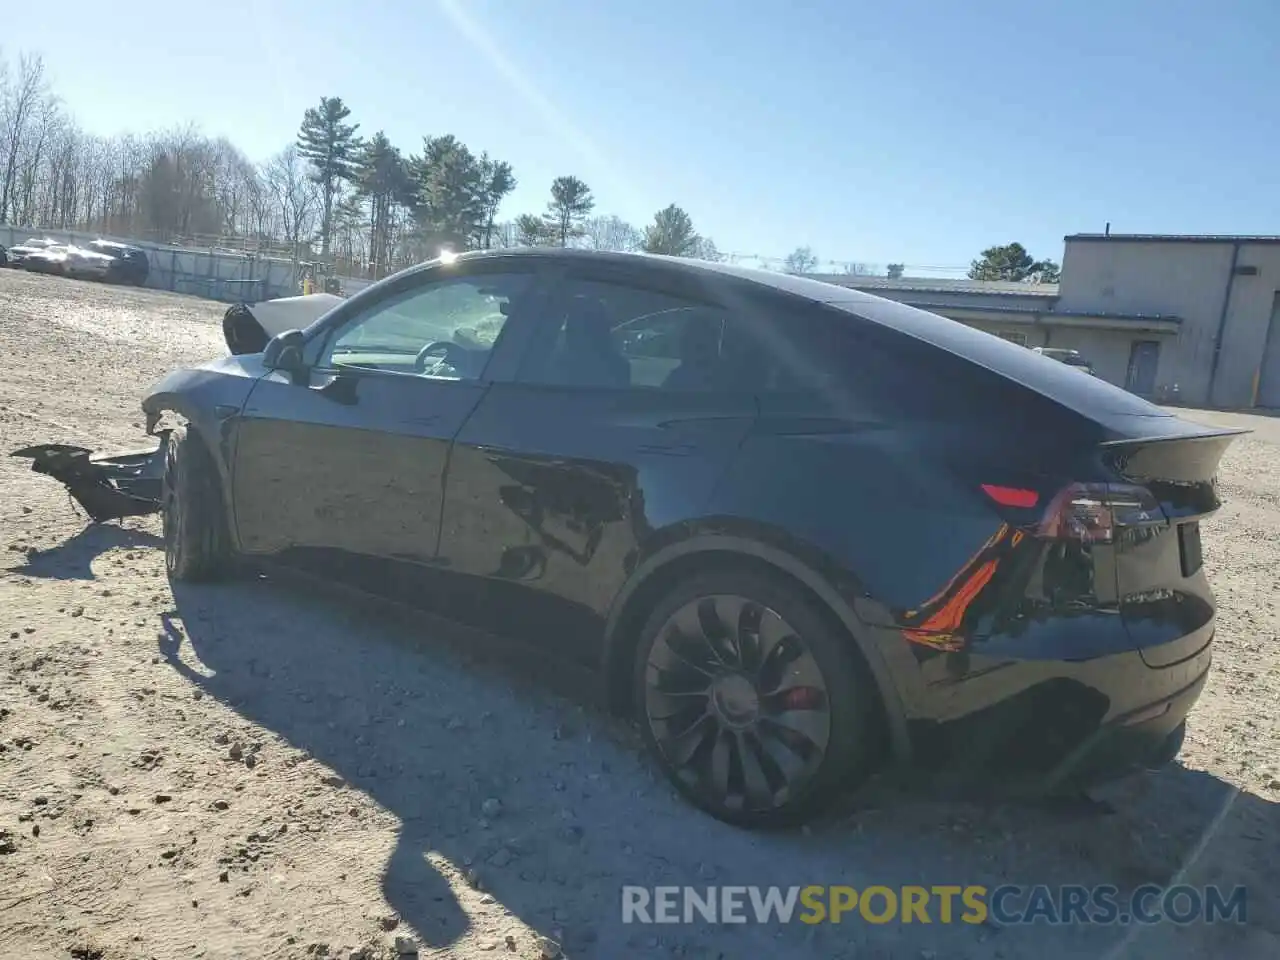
column 1244, row 335
column 1187, row 280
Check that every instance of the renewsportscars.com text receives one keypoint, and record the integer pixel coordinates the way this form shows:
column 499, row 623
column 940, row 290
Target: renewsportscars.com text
column 1007, row 905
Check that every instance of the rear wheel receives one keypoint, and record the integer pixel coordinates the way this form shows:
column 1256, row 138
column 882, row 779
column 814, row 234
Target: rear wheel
column 755, row 706
column 195, row 534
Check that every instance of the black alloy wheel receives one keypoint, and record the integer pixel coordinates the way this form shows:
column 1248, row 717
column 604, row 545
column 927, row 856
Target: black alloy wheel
column 757, row 712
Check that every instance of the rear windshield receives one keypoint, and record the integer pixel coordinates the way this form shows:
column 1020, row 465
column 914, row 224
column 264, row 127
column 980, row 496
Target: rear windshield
column 885, row 372
column 1089, row 396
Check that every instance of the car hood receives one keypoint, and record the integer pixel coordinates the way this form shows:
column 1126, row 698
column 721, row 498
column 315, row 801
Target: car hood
column 247, row 328
column 228, row 379
column 293, row 313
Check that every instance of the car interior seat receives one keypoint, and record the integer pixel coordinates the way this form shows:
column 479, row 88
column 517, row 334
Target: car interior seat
column 587, row 356
column 699, row 355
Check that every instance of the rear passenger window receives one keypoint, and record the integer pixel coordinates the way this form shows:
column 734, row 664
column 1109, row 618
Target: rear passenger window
column 611, row 335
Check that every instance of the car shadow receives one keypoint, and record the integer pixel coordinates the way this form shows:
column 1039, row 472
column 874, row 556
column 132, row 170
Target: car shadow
column 432, row 720
column 73, row 558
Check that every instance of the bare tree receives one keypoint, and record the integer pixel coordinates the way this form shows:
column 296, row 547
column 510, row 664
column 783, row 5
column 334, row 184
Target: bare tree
column 233, row 179
column 21, row 102
column 295, row 195
column 611, row 233
column 801, row 260
column 860, row 270
column 43, row 124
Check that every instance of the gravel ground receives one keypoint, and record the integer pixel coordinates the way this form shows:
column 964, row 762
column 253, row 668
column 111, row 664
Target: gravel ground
column 261, row 770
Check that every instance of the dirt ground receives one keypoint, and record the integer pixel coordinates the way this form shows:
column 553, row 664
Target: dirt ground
column 263, row 770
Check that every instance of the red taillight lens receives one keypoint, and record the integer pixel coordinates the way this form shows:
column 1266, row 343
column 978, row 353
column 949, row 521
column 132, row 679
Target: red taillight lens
column 1079, row 512
column 1011, row 496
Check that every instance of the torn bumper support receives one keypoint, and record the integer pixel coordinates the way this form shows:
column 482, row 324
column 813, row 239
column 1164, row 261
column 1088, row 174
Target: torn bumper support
column 108, row 485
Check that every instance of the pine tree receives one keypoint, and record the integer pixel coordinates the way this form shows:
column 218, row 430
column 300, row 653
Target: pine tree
column 570, row 203
column 331, row 147
column 671, row 233
column 383, row 182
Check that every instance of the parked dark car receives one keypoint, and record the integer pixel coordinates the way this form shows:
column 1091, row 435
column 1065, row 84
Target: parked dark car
column 130, row 264
column 802, row 531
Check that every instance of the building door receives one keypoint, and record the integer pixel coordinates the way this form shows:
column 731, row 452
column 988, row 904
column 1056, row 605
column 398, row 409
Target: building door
column 1269, row 373
column 1144, row 358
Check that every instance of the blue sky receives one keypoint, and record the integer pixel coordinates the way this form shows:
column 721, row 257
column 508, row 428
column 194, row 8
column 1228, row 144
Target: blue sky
column 908, row 131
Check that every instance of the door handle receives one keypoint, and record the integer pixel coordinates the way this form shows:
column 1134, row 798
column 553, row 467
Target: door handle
column 422, row 421
column 668, row 449
column 225, row 411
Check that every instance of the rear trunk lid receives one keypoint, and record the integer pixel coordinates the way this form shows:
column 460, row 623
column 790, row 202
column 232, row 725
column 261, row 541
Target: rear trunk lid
column 1164, row 597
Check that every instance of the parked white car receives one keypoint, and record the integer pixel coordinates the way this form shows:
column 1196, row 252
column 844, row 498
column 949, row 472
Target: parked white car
column 1071, row 358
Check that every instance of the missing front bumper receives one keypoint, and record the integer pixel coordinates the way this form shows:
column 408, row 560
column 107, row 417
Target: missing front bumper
column 109, row 486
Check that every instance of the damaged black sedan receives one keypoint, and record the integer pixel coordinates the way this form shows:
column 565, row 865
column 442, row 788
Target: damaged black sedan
column 802, row 531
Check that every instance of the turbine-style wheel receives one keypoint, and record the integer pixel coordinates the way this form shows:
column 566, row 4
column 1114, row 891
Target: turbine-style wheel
column 751, row 702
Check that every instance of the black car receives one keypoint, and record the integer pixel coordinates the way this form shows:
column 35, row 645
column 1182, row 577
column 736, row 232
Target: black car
column 129, row 263
column 802, row 531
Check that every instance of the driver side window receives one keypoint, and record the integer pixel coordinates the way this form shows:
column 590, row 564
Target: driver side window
column 443, row 329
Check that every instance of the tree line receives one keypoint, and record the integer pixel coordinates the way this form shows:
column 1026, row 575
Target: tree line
column 358, row 202
column 1009, row 262
column 333, row 194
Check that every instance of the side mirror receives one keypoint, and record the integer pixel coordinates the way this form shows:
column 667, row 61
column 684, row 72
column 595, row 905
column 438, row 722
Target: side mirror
column 284, row 352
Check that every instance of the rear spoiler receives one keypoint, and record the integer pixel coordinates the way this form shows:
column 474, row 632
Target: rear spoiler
column 1183, row 461
column 1176, row 437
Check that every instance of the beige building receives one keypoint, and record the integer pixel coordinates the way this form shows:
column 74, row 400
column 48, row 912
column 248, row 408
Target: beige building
column 1187, row 319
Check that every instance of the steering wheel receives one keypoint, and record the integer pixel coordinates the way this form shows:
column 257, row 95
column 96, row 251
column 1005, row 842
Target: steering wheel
column 451, row 354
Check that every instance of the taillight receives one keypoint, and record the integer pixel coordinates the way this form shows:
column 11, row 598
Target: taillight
column 1080, row 512
column 1011, row 496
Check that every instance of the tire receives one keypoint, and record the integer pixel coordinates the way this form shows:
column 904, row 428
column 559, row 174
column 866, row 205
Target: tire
column 708, row 740
column 196, row 546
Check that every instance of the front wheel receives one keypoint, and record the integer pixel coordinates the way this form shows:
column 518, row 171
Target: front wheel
column 195, row 533
column 756, row 707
